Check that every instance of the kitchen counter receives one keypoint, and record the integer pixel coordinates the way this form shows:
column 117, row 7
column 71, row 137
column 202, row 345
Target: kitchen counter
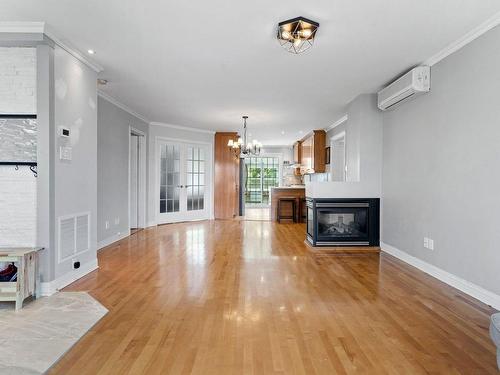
column 290, row 187
column 297, row 192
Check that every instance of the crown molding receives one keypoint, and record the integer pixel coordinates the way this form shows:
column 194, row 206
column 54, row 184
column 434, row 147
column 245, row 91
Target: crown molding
column 464, row 40
column 126, row 108
column 181, row 127
column 45, row 30
column 22, row 27
column 337, row 123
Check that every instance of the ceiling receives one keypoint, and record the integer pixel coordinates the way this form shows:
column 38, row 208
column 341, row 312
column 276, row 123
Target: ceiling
column 203, row 64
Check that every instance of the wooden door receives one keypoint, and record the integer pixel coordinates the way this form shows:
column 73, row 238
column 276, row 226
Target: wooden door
column 226, row 194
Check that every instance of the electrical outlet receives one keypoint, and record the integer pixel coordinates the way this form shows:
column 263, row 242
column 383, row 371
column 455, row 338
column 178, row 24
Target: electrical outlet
column 117, row 220
column 76, row 264
column 106, row 224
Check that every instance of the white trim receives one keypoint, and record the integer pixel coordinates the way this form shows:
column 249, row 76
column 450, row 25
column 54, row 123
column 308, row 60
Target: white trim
column 141, row 208
column 464, row 40
column 181, row 127
column 338, row 136
column 112, row 100
column 22, row 27
column 333, row 139
column 337, row 123
column 43, row 28
column 49, row 288
column 465, row 286
column 114, row 238
column 72, row 50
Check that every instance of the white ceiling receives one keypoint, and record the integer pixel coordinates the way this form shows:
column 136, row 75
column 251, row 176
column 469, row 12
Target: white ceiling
column 203, row 64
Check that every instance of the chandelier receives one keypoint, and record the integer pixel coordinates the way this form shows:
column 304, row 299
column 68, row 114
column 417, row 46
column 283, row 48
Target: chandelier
column 241, row 148
column 297, row 35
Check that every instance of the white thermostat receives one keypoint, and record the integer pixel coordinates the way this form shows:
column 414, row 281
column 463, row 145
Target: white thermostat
column 63, row 132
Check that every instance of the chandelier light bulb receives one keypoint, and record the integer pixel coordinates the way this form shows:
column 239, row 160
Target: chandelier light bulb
column 243, row 147
column 306, row 33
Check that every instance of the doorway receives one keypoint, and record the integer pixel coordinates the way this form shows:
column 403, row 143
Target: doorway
column 261, row 173
column 184, row 181
column 137, row 180
column 338, row 157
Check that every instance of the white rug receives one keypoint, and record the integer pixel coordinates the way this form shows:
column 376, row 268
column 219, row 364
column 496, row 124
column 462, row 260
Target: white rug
column 35, row 337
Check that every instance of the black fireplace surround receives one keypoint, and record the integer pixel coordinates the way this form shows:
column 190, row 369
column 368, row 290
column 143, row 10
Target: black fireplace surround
column 343, row 221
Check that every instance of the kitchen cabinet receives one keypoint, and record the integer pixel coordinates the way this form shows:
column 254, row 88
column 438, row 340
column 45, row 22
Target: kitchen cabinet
column 297, row 152
column 313, row 153
column 297, row 156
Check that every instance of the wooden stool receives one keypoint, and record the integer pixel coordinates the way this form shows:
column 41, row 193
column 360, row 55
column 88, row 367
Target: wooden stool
column 290, row 200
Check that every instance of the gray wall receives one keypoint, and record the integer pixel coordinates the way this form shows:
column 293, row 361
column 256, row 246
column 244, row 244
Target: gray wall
column 363, row 141
column 75, row 181
column 113, row 167
column 441, row 174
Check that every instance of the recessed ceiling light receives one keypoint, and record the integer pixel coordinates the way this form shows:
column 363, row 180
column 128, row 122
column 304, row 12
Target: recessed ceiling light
column 282, row 132
column 91, row 52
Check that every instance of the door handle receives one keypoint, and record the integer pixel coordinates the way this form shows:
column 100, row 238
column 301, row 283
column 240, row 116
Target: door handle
column 180, row 186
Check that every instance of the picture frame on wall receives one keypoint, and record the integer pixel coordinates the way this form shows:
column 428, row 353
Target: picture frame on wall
column 327, row 155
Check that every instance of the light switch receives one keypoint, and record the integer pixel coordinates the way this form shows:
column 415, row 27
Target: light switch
column 65, row 153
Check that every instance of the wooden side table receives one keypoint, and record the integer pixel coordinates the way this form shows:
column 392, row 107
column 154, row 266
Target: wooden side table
column 27, row 284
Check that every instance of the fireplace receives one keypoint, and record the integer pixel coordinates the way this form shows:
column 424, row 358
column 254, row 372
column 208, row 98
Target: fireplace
column 343, row 222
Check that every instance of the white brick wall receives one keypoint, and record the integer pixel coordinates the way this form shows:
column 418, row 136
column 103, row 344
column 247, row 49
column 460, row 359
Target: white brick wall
column 17, row 80
column 17, row 188
column 17, row 206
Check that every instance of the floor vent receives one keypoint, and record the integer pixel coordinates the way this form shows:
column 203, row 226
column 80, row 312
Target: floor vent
column 74, row 235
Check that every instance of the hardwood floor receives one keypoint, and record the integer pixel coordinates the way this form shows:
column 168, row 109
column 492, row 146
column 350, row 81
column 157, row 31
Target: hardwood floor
column 257, row 213
column 246, row 297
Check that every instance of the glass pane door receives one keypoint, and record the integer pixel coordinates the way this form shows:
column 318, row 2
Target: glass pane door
column 169, row 178
column 184, row 173
column 195, row 178
column 262, row 173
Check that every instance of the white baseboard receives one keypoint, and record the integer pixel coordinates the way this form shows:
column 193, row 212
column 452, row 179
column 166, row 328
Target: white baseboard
column 465, row 286
column 108, row 241
column 151, row 224
column 49, row 288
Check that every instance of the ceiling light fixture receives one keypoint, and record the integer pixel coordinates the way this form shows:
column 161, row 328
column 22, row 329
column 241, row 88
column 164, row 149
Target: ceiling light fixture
column 241, row 148
column 91, row 52
column 297, row 34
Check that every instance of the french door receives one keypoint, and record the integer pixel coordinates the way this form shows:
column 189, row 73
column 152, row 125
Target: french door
column 184, row 181
column 262, row 173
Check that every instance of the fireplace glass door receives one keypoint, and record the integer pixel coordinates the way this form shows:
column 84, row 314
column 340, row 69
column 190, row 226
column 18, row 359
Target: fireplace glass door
column 338, row 224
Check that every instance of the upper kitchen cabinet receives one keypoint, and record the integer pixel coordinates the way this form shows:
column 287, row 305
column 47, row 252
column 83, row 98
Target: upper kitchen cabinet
column 297, row 152
column 313, row 153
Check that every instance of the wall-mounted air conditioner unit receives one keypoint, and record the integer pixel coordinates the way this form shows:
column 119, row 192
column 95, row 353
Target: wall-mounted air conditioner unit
column 416, row 81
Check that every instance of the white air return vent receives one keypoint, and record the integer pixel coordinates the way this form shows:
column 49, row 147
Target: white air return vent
column 417, row 81
column 66, row 237
column 74, row 235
